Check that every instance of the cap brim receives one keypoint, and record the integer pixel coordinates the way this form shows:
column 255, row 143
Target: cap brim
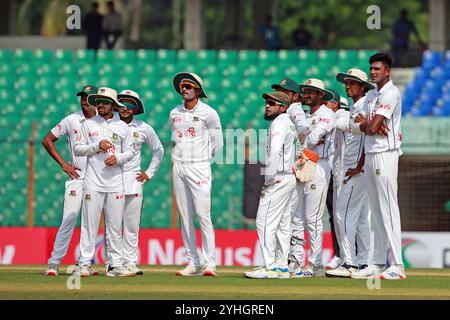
column 268, row 96
column 81, row 93
column 91, row 100
column 184, row 75
column 140, row 105
column 341, row 76
column 328, row 95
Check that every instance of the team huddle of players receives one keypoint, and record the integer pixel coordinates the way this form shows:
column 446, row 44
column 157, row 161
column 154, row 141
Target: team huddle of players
column 357, row 147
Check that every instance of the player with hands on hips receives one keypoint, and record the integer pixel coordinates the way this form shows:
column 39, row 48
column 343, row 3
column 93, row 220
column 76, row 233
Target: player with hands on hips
column 197, row 138
column 273, row 219
column 70, row 127
column 133, row 177
column 106, row 141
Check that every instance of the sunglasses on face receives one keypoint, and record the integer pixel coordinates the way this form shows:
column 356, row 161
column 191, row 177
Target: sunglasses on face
column 187, row 86
column 128, row 105
column 272, row 103
column 103, row 101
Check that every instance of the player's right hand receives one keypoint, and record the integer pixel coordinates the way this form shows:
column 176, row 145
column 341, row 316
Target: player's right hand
column 71, row 170
column 104, row 145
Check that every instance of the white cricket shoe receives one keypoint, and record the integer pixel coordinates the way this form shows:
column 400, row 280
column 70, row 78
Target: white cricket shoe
column 334, row 263
column 190, row 270
column 294, row 267
column 85, row 271
column 283, row 273
column 366, row 273
column 120, row 271
column 344, row 271
column 262, row 273
column 310, row 271
column 134, row 269
column 209, row 272
column 393, row 273
column 52, row 270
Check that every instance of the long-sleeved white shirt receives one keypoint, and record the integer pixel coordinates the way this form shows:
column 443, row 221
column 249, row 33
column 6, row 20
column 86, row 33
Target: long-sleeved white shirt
column 197, row 133
column 322, row 125
column 99, row 176
column 280, row 148
column 141, row 133
column 388, row 103
column 70, row 126
column 298, row 117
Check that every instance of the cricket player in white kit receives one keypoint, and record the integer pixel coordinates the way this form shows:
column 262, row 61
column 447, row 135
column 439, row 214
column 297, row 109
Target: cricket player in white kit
column 197, row 138
column 70, row 127
column 133, row 177
column 273, row 220
column 383, row 108
column 312, row 195
column 106, row 141
column 352, row 213
column 298, row 117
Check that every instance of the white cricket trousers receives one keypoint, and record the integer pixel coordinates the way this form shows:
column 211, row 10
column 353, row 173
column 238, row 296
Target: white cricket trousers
column 131, row 221
column 382, row 170
column 113, row 206
column 312, row 198
column 273, row 220
column 352, row 220
column 192, row 186
column 72, row 205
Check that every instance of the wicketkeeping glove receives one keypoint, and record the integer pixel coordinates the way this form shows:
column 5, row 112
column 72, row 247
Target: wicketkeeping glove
column 305, row 166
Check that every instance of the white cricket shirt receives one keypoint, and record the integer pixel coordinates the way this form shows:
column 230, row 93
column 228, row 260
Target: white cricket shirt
column 388, row 103
column 280, row 148
column 70, row 126
column 197, row 133
column 322, row 125
column 141, row 133
column 298, row 117
column 100, row 177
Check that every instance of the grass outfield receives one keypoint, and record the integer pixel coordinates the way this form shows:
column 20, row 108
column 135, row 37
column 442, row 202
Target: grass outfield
column 160, row 282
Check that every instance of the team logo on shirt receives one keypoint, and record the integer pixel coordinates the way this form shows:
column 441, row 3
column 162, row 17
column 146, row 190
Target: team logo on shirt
column 73, row 193
column 120, row 196
column 377, row 172
column 135, row 135
column 87, row 197
column 313, row 187
column 195, row 119
column 115, row 137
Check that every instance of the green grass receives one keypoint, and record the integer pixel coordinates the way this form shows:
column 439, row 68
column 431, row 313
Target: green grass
column 160, row 282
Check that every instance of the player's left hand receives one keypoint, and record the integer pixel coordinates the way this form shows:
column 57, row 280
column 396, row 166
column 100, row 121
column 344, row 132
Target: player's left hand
column 383, row 131
column 352, row 172
column 142, row 177
column 360, row 118
column 111, row 160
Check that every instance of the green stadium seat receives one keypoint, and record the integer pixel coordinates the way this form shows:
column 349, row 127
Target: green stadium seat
column 63, row 56
column 186, row 57
column 308, row 57
column 207, row 56
column 145, row 56
column 363, row 57
column 126, row 56
column 6, row 55
column 327, row 56
column 23, row 56
column 42, row 56
column 347, row 56
column 84, row 56
column 288, row 56
column 105, row 56
column 267, row 57
column 247, row 57
column 165, row 56
column 227, row 57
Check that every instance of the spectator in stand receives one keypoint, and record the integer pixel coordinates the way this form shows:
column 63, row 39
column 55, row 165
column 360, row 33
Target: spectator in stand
column 302, row 37
column 270, row 35
column 403, row 27
column 112, row 26
column 93, row 27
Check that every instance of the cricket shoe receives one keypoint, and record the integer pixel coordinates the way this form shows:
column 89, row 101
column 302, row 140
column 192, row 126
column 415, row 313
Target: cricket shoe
column 134, row 269
column 372, row 271
column 120, row 271
column 344, row 271
column 189, row 271
column 334, row 263
column 262, row 273
column 294, row 266
column 52, row 270
column 93, row 271
column 393, row 273
column 84, row 271
column 283, row 273
column 309, row 272
column 209, row 272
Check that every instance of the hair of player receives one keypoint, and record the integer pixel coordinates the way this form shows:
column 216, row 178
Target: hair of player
column 384, row 58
